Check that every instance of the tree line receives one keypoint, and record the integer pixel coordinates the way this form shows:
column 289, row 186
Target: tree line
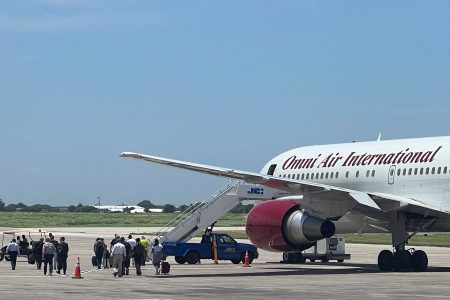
column 169, row 208
column 146, row 204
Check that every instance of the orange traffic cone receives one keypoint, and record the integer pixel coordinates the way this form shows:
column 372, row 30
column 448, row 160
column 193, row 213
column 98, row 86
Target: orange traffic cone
column 77, row 273
column 246, row 260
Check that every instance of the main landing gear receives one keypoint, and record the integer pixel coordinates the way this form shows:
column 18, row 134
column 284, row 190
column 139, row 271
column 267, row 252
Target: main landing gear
column 403, row 260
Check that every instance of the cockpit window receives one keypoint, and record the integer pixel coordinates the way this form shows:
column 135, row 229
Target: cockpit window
column 271, row 169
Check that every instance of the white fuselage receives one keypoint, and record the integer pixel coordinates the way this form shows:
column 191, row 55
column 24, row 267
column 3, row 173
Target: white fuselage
column 414, row 168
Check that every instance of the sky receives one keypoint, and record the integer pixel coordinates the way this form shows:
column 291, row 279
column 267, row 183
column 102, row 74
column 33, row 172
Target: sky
column 225, row 83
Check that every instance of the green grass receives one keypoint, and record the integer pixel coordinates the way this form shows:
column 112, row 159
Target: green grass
column 67, row 219
column 435, row 239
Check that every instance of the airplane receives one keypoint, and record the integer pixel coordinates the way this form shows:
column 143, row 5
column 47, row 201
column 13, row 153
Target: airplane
column 397, row 186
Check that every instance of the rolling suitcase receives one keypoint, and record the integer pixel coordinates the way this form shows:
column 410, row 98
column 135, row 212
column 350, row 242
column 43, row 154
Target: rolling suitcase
column 94, row 261
column 165, row 267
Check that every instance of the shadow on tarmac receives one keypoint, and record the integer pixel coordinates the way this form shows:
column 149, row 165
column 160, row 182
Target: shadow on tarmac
column 284, row 270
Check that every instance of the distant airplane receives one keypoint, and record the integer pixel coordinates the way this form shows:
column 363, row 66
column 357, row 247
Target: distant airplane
column 396, row 186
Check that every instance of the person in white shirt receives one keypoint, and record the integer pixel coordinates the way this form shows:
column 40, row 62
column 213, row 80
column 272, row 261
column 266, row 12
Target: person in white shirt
column 48, row 253
column 157, row 251
column 118, row 253
column 13, row 250
column 132, row 243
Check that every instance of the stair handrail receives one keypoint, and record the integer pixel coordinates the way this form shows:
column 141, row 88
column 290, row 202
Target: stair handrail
column 197, row 212
column 194, row 209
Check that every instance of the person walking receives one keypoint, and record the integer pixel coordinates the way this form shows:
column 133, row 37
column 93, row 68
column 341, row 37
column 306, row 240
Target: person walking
column 138, row 255
column 145, row 243
column 13, row 250
column 55, row 243
column 118, row 253
column 98, row 250
column 132, row 243
column 24, row 245
column 62, row 252
column 48, row 253
column 127, row 258
column 157, row 251
column 106, row 255
column 37, row 251
column 113, row 241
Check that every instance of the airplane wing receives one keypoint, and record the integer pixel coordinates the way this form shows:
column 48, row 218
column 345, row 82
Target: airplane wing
column 370, row 203
column 249, row 177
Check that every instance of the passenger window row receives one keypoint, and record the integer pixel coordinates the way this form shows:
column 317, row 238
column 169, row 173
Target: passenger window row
column 422, row 171
column 323, row 175
column 311, row 176
column 369, row 173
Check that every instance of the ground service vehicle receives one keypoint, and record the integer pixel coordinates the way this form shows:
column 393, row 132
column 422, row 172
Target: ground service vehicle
column 325, row 250
column 27, row 252
column 227, row 249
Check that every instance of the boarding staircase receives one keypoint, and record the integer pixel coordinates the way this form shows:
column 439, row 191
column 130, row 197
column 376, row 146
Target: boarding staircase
column 201, row 215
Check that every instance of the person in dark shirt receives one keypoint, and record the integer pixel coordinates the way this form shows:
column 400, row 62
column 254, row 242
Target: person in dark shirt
column 24, row 245
column 138, row 255
column 37, row 251
column 98, row 250
column 62, row 252
column 113, row 242
column 127, row 258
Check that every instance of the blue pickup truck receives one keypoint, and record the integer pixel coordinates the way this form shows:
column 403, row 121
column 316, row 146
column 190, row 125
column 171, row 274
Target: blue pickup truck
column 227, row 249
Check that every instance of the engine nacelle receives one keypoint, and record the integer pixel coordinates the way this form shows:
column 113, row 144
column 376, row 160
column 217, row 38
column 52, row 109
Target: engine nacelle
column 280, row 225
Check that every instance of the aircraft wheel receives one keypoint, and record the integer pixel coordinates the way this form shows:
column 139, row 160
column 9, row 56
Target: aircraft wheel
column 301, row 259
column 402, row 261
column 419, row 261
column 385, row 260
column 289, row 258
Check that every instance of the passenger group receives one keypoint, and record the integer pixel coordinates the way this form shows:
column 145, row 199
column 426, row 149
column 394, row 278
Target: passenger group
column 122, row 254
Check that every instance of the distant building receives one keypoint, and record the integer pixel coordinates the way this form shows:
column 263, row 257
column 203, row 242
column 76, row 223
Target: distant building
column 62, row 208
column 133, row 208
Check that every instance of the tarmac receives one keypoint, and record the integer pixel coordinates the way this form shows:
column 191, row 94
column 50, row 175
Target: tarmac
column 267, row 278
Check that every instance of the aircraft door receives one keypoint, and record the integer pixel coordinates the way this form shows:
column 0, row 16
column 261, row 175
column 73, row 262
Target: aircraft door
column 391, row 174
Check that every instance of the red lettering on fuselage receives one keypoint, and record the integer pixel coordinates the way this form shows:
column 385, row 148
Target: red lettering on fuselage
column 353, row 159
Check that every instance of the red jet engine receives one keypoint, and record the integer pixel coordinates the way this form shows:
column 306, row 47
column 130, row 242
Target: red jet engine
column 280, row 225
